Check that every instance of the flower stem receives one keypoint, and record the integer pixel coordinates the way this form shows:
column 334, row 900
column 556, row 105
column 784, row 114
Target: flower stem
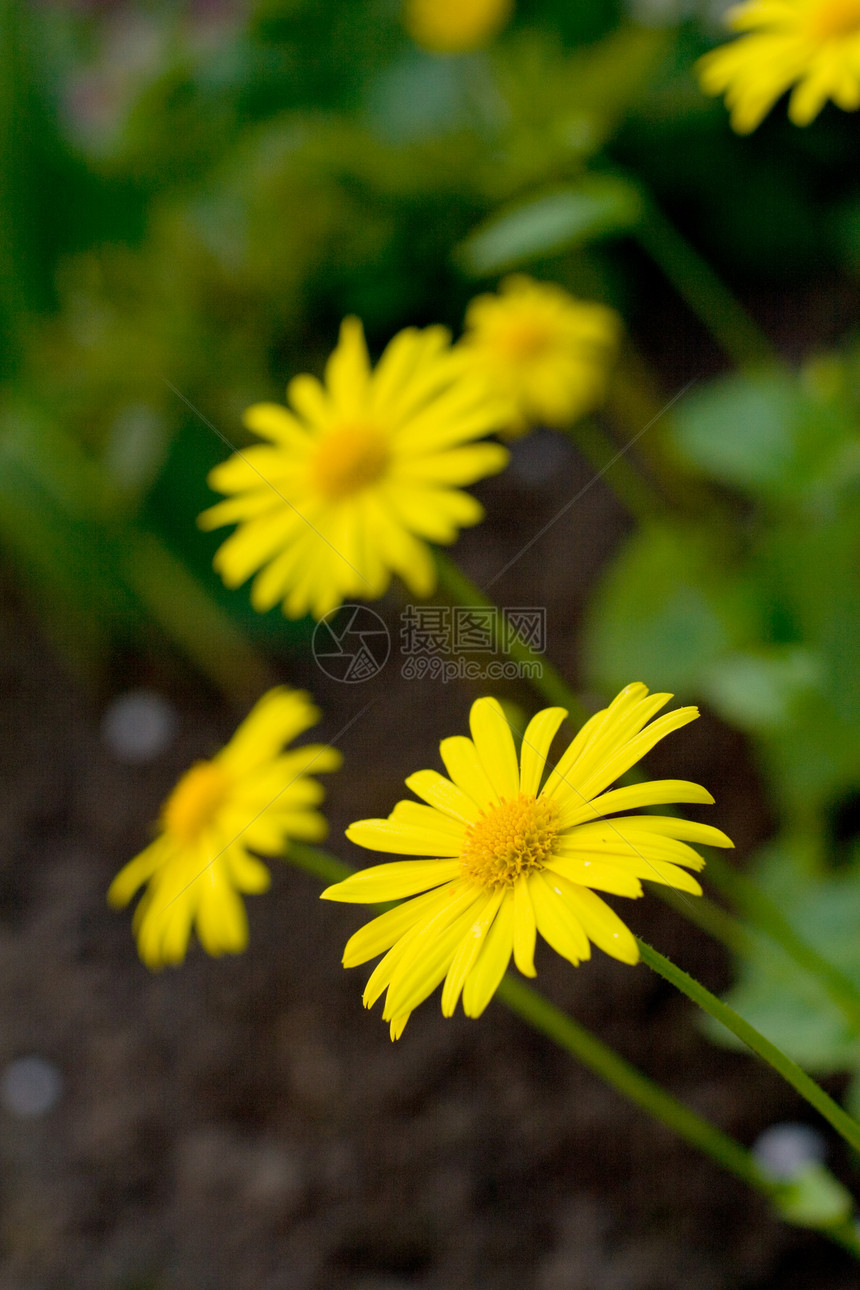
column 703, row 290
column 318, row 863
column 633, row 491
column 546, row 680
column 545, row 1017
column 569, row 1035
column 842, row 1122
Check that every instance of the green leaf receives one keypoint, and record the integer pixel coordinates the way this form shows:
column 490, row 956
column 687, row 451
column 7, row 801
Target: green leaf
column 666, row 612
column 774, row 435
column 548, row 223
column 762, row 690
column 787, row 1005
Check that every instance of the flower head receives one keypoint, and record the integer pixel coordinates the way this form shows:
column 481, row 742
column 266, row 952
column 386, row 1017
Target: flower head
column 252, row 796
column 813, row 45
column 513, row 850
column 455, row 26
column 549, row 353
column 357, row 476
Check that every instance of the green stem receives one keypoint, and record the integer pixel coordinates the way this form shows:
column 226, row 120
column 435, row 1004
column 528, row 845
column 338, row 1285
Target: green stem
column 843, row 1123
column 547, row 1019
column 543, row 676
column 611, row 463
column 544, row 1016
column 705, row 292
column 318, row 863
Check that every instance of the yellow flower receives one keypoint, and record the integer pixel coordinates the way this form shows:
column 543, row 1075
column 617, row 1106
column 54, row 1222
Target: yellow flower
column 455, row 26
column 511, row 858
column 813, row 45
column 252, row 796
column 358, row 476
column 549, row 353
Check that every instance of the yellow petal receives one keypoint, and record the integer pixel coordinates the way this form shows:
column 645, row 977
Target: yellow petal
column 430, row 954
column 589, row 871
column 377, row 936
column 468, row 951
column 556, row 920
column 525, row 927
column 404, row 839
column 464, row 766
column 483, row 980
column 537, row 739
column 137, row 872
column 603, row 925
column 654, row 793
column 445, row 796
column 392, row 881
column 495, row 745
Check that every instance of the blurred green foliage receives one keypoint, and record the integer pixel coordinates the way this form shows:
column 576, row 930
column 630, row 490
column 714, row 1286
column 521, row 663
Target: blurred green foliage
column 193, row 196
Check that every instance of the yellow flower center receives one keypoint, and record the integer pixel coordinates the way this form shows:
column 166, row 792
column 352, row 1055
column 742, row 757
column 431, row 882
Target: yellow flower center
column 524, row 338
column 194, row 801
column 510, row 839
column 350, row 459
column 832, row 19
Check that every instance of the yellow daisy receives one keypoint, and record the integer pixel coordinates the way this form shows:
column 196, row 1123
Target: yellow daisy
column 511, row 856
column 455, row 26
column 357, row 476
column 813, row 45
column 252, row 796
column 548, row 352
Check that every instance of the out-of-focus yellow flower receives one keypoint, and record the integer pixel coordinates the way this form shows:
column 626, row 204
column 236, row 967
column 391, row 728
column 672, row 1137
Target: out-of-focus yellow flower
column 512, row 858
column 455, row 26
column 251, row 797
column 358, row 476
column 547, row 352
column 813, row 45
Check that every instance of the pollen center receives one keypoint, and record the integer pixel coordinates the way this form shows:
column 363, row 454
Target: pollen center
column 350, row 459
column 194, row 801
column 523, row 338
column 832, row 19
column 510, row 839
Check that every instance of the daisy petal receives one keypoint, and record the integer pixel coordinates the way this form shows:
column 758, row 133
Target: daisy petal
column 445, row 796
column 654, row 793
column 403, row 839
column 495, row 745
column 589, row 871
column 378, row 936
column 427, row 960
column 603, row 925
column 392, row 881
column 537, row 739
column 556, row 920
column 464, row 766
column 483, row 980
column 525, row 927
column 467, row 953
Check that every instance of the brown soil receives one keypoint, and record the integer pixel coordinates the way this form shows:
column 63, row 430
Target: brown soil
column 243, row 1124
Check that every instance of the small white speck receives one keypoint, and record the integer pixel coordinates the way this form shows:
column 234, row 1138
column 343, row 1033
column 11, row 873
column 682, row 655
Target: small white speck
column 784, row 1150
column 30, row 1087
column 138, row 726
